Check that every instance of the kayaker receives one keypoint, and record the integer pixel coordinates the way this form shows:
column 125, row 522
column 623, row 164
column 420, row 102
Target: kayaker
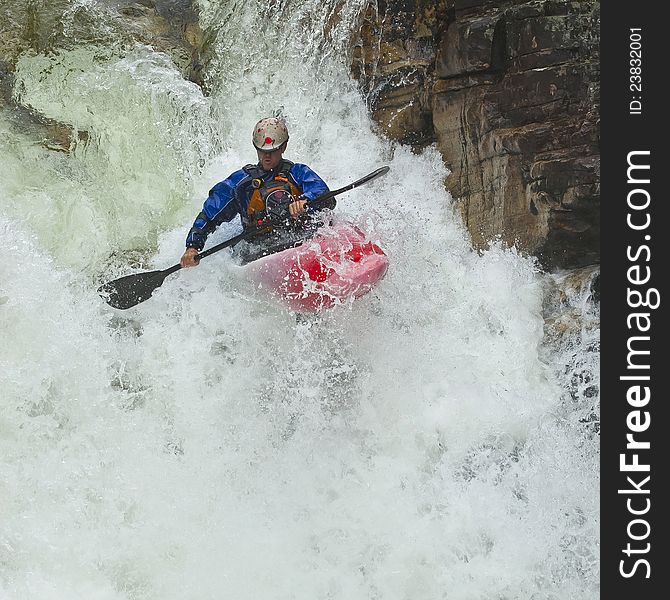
column 274, row 186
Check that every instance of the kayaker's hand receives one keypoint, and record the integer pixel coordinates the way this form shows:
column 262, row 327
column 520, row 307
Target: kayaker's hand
column 297, row 208
column 188, row 258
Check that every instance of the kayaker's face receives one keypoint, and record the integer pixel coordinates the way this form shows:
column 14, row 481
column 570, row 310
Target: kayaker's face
column 270, row 159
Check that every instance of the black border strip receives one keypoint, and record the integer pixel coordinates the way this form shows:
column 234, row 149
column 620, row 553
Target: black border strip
column 634, row 522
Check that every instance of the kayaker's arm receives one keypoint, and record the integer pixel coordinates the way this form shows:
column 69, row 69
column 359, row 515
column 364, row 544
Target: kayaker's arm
column 311, row 184
column 219, row 207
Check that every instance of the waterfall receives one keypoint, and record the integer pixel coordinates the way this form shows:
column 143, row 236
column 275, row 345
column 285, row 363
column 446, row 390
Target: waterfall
column 427, row 441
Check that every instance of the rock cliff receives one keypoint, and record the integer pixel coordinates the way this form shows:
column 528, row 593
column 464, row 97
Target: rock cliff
column 509, row 92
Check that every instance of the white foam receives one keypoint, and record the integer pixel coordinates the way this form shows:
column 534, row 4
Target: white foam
column 413, row 444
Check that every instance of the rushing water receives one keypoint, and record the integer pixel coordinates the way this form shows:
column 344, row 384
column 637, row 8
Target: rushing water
column 420, row 443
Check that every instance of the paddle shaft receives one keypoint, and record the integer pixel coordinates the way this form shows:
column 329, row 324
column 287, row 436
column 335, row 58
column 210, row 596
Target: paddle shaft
column 328, row 195
column 227, row 244
column 231, row 242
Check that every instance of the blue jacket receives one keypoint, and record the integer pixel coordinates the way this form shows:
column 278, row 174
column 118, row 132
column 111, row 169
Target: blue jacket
column 231, row 197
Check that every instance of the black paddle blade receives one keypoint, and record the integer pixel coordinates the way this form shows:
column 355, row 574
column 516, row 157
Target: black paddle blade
column 132, row 289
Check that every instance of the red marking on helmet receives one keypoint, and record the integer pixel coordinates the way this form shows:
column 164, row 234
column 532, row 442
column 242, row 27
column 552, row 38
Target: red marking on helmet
column 268, row 140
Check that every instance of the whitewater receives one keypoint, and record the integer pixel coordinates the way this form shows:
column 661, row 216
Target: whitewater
column 425, row 442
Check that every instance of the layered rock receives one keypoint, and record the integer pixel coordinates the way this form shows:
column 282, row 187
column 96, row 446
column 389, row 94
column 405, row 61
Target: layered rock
column 510, row 93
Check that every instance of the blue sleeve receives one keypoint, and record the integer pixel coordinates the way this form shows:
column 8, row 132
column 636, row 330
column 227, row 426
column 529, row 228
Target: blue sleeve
column 311, row 184
column 219, row 207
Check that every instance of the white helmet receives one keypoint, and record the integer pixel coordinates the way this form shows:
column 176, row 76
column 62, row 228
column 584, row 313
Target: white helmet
column 270, row 133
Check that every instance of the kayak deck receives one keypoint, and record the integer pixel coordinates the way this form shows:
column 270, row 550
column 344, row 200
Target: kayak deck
column 335, row 266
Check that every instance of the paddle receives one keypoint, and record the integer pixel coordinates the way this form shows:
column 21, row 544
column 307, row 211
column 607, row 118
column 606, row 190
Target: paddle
column 130, row 290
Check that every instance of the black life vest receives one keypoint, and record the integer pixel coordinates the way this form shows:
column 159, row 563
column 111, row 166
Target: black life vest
column 270, row 196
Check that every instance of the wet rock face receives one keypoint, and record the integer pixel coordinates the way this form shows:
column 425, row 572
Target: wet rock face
column 394, row 61
column 45, row 26
column 509, row 91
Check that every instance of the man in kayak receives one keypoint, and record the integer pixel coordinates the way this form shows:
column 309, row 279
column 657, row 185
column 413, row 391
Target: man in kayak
column 273, row 187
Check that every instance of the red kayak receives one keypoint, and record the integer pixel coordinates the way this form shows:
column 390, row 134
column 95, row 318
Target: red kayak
column 333, row 267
